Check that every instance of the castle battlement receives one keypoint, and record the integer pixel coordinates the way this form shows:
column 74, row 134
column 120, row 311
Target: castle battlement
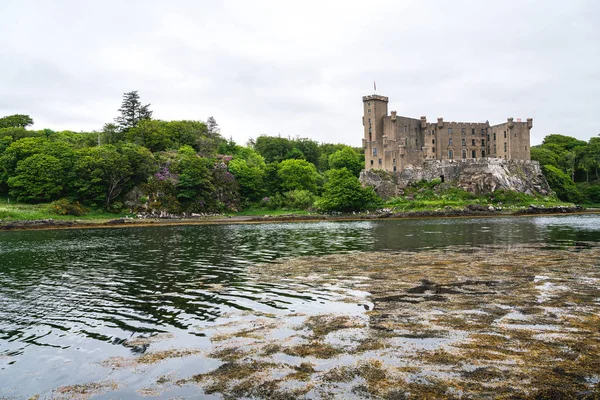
column 393, row 142
column 375, row 97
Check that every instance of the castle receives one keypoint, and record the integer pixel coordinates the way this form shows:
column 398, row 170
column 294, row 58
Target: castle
column 392, row 142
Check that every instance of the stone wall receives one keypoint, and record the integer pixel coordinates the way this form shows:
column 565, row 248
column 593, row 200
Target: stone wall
column 479, row 176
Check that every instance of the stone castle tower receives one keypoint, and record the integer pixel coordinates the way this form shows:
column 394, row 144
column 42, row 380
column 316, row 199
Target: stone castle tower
column 393, row 142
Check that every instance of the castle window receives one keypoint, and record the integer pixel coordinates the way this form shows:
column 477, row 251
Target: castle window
column 483, row 142
column 450, row 142
column 369, row 120
column 449, row 131
column 433, row 150
column 405, row 128
column 394, row 161
column 371, row 162
column 482, row 153
column 369, row 111
column 464, row 154
column 432, row 141
column 473, row 143
column 474, row 154
column 482, row 131
column 369, row 130
column 394, row 168
column 464, row 142
column 450, row 154
column 374, row 151
column 494, row 135
column 472, row 131
column 380, row 161
column 515, row 134
column 504, row 134
column 462, row 131
column 505, row 147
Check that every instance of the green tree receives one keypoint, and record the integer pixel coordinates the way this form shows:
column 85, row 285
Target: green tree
column 298, row 175
column 309, row 148
column 101, row 175
column 343, row 192
column 544, row 156
column 16, row 121
column 272, row 148
column 561, row 183
column 194, row 187
column 132, row 111
column 346, row 158
column 212, row 128
column 37, row 178
column 250, row 178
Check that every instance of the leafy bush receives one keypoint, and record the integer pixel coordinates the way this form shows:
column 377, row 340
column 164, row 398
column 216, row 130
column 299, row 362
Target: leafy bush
column 561, row 183
column 65, row 207
column 343, row 192
column 292, row 200
column 591, row 192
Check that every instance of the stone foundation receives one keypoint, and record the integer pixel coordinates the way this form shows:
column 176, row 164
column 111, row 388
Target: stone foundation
column 478, row 176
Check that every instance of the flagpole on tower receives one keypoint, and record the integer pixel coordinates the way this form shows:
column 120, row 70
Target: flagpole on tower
column 374, row 85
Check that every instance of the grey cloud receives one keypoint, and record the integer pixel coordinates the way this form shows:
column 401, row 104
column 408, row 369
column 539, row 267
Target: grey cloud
column 301, row 68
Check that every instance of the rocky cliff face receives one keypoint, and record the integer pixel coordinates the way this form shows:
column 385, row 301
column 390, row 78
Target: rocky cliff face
column 475, row 176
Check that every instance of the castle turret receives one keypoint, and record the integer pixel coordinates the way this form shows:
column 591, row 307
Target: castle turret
column 375, row 108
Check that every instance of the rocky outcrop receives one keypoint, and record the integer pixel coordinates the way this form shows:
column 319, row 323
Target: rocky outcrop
column 480, row 176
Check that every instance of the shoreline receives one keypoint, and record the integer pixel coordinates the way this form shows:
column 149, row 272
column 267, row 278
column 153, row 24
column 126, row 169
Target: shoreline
column 51, row 224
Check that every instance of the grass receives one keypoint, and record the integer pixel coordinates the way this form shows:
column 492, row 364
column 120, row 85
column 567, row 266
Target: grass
column 12, row 211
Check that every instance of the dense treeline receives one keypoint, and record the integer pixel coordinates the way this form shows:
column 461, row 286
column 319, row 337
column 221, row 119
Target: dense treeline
column 571, row 167
column 142, row 164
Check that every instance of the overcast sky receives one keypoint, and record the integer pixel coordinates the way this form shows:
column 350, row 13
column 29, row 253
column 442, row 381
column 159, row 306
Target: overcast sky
column 300, row 68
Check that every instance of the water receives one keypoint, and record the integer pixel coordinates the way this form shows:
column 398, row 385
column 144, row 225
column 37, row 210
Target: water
column 71, row 298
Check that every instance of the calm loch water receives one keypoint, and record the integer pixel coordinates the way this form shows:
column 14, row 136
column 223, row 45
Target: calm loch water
column 70, row 299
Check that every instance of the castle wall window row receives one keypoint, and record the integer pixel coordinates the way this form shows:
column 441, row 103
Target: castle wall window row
column 404, row 138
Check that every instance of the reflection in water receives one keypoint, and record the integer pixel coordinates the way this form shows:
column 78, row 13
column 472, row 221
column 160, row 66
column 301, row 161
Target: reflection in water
column 84, row 294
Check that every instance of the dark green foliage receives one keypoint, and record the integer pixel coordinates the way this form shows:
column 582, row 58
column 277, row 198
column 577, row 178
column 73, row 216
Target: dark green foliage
column 566, row 160
column 292, row 200
column 591, row 193
column 346, row 158
column 343, row 192
column 298, row 175
column 273, row 149
column 37, row 178
column 132, row 111
column 249, row 171
column 159, row 135
column 544, row 156
column 562, row 184
column 16, row 121
column 102, row 173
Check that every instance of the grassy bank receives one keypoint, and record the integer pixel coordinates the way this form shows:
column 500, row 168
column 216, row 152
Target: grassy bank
column 12, row 211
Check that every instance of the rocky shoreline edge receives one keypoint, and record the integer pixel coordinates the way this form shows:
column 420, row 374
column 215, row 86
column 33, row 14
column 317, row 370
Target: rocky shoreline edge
column 472, row 210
